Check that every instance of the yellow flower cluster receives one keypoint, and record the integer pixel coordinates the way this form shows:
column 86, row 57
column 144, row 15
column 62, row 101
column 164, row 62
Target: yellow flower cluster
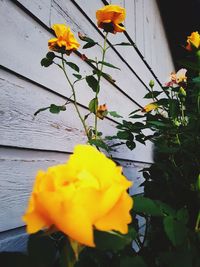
column 89, row 191
column 109, row 18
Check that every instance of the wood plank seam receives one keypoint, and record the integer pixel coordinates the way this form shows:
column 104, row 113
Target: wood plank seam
column 50, row 90
column 68, row 153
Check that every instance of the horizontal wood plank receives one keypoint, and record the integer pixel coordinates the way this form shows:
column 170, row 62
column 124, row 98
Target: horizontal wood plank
column 13, row 240
column 48, row 131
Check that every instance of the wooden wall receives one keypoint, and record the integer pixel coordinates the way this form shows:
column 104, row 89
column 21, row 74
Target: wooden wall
column 27, row 143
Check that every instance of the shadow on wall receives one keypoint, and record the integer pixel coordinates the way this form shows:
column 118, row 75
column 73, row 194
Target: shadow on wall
column 180, row 18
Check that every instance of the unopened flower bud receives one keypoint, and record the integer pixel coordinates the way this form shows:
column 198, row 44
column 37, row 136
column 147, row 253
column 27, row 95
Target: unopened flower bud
column 151, row 83
column 182, row 91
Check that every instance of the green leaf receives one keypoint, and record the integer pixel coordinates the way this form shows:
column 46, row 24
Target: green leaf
column 56, row 109
column 163, row 102
column 108, row 65
column 113, row 241
column 111, row 137
column 135, row 111
column 123, row 43
column 183, row 216
column 175, row 230
column 105, row 75
column 40, row 110
column 153, row 94
column 136, row 116
column 41, row 250
column 72, row 65
column 99, row 143
column 88, row 45
column 158, row 124
column 124, row 135
column 93, row 105
column 45, row 62
column 92, row 83
column 173, row 108
column 196, row 80
column 78, row 76
column 86, row 39
column 134, row 261
column 114, row 114
column 147, row 206
column 130, row 144
column 165, row 209
column 50, row 55
column 140, row 138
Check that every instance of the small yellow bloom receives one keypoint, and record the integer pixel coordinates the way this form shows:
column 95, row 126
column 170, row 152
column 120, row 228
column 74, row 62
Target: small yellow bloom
column 181, row 76
column 177, row 78
column 64, row 41
column 150, row 107
column 193, row 41
column 89, row 191
column 102, row 111
column 110, row 17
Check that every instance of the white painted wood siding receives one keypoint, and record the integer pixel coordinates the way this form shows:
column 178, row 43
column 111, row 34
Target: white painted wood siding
column 27, row 143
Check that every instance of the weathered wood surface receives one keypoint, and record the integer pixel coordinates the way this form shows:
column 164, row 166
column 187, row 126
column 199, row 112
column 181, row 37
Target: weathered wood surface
column 48, row 131
column 14, row 240
column 34, row 38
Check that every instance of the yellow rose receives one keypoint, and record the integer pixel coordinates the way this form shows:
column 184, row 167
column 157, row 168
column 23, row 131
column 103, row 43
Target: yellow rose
column 150, row 107
column 193, row 40
column 89, row 191
column 110, row 17
column 64, row 41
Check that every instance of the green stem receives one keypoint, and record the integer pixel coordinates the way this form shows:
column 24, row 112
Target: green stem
column 197, row 226
column 183, row 114
column 74, row 96
column 99, row 78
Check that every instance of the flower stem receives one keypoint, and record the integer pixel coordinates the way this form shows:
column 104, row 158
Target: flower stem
column 197, row 226
column 99, row 78
column 74, row 96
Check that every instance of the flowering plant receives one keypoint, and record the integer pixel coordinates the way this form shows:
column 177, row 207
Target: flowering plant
column 80, row 213
column 171, row 200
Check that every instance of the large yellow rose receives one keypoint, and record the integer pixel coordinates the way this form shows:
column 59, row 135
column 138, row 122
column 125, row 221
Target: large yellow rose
column 193, row 40
column 110, row 17
column 64, row 40
column 87, row 192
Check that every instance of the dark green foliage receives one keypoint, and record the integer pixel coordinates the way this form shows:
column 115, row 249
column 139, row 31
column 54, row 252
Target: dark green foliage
column 171, row 200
